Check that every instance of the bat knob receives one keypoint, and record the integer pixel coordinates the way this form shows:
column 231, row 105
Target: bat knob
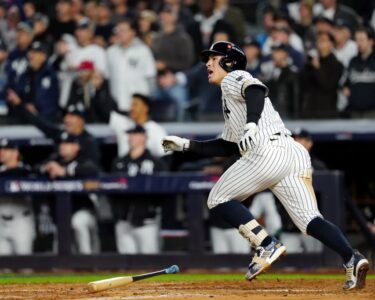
column 172, row 270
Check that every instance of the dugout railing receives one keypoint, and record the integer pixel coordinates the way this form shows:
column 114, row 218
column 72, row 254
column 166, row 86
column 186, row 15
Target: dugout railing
column 328, row 184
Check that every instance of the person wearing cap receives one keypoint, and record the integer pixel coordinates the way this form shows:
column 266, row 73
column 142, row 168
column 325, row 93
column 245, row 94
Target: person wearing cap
column 283, row 82
column 345, row 48
column 147, row 24
column 17, row 62
column 92, row 90
column 17, row 223
column 63, row 23
column 137, row 226
column 139, row 114
column 333, row 10
column 282, row 24
column 105, row 25
column 137, row 71
column 73, row 123
column 253, row 54
column 360, row 84
column 68, row 162
column 87, row 50
column 173, row 47
column 41, row 31
column 41, row 87
column 320, row 80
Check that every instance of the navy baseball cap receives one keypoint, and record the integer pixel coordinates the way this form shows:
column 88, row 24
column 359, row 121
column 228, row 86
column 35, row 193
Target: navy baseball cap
column 136, row 129
column 280, row 46
column 39, row 46
column 25, row 26
column 76, row 109
column 68, row 138
column 85, row 23
column 8, row 144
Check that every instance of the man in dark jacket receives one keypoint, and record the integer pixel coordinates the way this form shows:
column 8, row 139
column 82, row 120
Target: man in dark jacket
column 73, row 121
column 284, row 83
column 360, row 85
column 320, row 80
column 39, row 85
column 137, row 228
column 68, row 162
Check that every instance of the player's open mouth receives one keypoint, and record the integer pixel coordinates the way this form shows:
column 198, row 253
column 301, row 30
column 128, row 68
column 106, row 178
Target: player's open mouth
column 209, row 73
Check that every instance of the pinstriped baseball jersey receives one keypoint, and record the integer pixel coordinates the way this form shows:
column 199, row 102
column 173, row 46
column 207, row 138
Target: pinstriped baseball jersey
column 235, row 112
column 275, row 162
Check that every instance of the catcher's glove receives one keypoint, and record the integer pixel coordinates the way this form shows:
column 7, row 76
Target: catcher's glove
column 175, row 143
column 250, row 131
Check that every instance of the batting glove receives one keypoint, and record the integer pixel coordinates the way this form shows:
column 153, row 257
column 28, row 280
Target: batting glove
column 250, row 131
column 175, row 143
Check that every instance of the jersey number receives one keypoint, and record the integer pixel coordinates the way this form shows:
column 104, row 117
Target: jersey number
column 226, row 110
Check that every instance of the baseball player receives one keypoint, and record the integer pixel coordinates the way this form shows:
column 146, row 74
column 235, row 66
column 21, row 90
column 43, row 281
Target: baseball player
column 270, row 158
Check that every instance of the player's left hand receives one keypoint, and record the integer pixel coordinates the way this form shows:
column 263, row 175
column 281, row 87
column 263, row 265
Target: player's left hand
column 250, row 131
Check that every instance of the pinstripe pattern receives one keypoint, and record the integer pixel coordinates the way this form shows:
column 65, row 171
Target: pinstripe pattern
column 276, row 162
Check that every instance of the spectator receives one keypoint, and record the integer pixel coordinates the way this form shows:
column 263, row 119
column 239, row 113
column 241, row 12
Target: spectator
column 323, row 24
column 39, row 83
column 91, row 89
column 64, row 22
column 360, row 85
column 77, row 10
column 41, row 31
column 91, row 11
column 233, row 16
column 137, row 228
column 87, row 50
column 205, row 25
column 16, row 64
column 332, row 10
column 184, row 15
column 304, row 26
column 345, row 48
column 104, row 26
column 283, row 83
column 268, row 24
column 131, row 66
column 17, row 224
column 170, row 90
column 121, row 10
column 253, row 54
column 281, row 35
column 282, row 25
column 172, row 47
column 73, row 121
column 69, row 162
column 147, row 24
column 29, row 9
column 9, row 19
column 139, row 115
column 3, row 77
column 320, row 80
column 64, row 61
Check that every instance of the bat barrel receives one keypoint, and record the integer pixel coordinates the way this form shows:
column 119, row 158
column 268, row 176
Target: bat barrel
column 105, row 284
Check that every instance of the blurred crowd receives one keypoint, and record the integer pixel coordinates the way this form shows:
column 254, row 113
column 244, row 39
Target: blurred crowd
column 134, row 65
column 316, row 56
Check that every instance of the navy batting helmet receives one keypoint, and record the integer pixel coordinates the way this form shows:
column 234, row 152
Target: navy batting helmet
column 234, row 57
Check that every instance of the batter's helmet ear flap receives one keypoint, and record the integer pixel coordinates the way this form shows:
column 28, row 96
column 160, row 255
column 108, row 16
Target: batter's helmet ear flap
column 233, row 56
column 227, row 64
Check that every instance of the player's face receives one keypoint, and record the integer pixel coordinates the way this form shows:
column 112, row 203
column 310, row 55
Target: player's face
column 215, row 72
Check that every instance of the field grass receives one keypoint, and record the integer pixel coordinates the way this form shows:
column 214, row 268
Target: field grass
column 85, row 278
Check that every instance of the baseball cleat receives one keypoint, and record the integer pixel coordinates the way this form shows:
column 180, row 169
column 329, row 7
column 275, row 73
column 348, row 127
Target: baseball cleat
column 264, row 257
column 356, row 271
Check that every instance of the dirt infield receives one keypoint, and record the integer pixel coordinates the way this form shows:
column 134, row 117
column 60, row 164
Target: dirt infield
column 258, row 289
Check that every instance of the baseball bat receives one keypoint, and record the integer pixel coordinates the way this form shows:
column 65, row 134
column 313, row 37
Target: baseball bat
column 109, row 283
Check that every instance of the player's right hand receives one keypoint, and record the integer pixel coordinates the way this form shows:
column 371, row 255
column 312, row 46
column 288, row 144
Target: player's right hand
column 250, row 131
column 175, row 143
